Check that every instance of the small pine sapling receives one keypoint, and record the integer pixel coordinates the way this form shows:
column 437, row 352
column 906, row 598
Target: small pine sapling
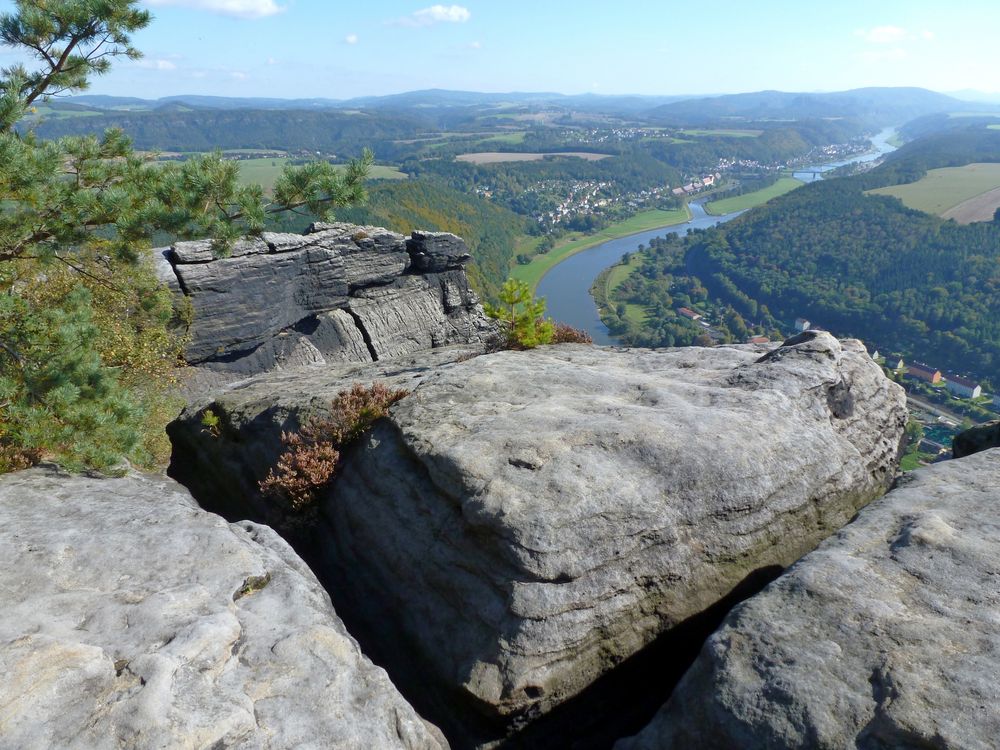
column 521, row 316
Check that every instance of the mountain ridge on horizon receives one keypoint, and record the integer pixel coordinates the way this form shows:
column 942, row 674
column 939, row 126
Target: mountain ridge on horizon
column 454, row 97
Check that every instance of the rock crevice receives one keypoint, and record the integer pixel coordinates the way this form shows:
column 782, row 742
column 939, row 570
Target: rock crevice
column 524, row 522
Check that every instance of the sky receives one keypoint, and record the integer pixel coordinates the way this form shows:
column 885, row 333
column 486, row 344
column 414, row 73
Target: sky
column 338, row 50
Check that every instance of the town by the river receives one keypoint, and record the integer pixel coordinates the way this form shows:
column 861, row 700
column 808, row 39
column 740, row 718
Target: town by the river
column 566, row 287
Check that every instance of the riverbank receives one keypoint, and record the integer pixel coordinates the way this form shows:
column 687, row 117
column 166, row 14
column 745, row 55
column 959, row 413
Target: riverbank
column 609, row 280
column 645, row 221
column 751, row 200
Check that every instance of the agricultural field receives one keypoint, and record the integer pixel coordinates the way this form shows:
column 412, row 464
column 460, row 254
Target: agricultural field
column 513, row 137
column 966, row 194
column 496, row 157
column 266, row 171
column 724, row 132
column 756, row 198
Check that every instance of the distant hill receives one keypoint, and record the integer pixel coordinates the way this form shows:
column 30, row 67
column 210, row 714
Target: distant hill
column 942, row 123
column 429, row 98
column 201, row 102
column 329, row 131
column 874, row 106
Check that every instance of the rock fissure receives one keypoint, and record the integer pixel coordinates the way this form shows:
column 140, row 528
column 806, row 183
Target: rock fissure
column 496, row 594
column 365, row 336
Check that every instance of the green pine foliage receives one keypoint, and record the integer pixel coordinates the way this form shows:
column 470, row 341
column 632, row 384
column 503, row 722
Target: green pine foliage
column 87, row 357
column 521, row 316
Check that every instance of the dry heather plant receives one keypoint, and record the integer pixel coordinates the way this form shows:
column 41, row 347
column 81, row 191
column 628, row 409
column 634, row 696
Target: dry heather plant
column 309, row 460
column 566, row 334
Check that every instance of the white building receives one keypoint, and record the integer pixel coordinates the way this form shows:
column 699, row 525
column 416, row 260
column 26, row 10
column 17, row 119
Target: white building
column 963, row 387
column 801, row 324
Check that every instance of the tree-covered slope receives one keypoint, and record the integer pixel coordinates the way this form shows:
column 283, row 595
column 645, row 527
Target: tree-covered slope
column 861, row 265
column 205, row 130
column 489, row 230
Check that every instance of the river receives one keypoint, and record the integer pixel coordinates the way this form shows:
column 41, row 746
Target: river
column 566, row 287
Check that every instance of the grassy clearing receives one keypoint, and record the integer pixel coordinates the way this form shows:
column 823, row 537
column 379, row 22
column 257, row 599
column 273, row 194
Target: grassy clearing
column 911, row 461
column 495, row 157
column 517, row 137
column 266, row 171
column 756, row 198
column 942, row 189
column 615, row 278
column 573, row 243
column 724, row 132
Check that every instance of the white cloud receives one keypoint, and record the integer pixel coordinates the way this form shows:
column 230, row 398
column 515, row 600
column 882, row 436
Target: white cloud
column 435, row 14
column 928, row 35
column 156, row 64
column 235, row 8
column 351, row 39
column 239, row 75
column 883, row 34
column 475, row 45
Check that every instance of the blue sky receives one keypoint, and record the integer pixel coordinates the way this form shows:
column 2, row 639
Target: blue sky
column 325, row 48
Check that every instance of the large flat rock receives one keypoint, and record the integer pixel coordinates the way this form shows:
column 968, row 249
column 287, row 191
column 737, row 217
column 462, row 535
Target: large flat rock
column 887, row 636
column 131, row 618
column 525, row 521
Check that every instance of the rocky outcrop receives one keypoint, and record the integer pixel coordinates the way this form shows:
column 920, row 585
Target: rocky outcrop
column 131, row 618
column 975, row 439
column 525, row 521
column 884, row 637
column 338, row 293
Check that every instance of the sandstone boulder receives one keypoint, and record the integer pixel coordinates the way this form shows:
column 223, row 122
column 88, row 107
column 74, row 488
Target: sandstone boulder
column 887, row 636
column 525, row 521
column 979, row 438
column 129, row 617
column 338, row 293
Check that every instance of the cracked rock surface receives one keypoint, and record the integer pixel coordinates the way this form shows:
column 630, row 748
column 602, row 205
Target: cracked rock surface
column 340, row 292
column 887, row 636
column 525, row 521
column 129, row 617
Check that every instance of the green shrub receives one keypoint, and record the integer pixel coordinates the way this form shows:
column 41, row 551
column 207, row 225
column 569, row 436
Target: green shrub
column 521, row 317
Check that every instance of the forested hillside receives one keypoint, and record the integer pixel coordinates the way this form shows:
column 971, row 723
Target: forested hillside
column 856, row 264
column 489, row 230
column 332, row 132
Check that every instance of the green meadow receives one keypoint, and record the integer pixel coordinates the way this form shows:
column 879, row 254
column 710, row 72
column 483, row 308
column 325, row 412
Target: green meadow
column 756, row 198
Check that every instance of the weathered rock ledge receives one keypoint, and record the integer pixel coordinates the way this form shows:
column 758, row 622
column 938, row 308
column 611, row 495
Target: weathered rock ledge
column 340, row 293
column 129, row 617
column 525, row 521
column 887, row 636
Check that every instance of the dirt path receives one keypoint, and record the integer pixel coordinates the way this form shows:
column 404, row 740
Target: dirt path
column 978, row 208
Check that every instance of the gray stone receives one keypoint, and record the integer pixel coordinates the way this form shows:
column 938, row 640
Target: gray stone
column 270, row 303
column 200, row 251
column 524, row 521
column 131, row 618
column 437, row 251
column 420, row 312
column 885, row 637
column 979, row 438
column 239, row 303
